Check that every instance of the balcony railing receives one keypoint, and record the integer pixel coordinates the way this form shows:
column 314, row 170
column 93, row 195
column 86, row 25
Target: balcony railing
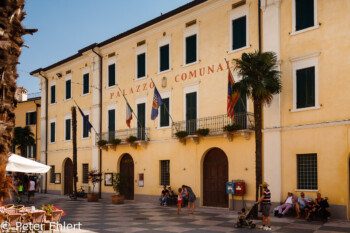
column 215, row 124
column 140, row 133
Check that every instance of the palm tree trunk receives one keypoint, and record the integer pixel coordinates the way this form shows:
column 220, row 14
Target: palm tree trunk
column 74, row 132
column 11, row 31
column 258, row 145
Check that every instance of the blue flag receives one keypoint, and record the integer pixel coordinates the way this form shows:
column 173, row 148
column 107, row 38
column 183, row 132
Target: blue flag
column 86, row 120
column 157, row 102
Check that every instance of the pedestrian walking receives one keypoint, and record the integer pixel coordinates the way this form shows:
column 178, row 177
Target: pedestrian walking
column 265, row 199
column 191, row 198
column 31, row 189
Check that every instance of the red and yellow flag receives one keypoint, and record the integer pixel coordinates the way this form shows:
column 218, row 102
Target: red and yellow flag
column 232, row 97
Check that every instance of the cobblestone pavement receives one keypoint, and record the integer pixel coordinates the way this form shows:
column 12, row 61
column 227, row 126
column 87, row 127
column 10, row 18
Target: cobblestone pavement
column 105, row 217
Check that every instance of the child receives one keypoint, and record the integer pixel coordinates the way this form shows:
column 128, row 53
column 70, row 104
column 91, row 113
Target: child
column 241, row 217
column 179, row 200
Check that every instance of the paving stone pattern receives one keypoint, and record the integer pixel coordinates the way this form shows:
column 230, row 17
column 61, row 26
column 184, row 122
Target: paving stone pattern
column 147, row 217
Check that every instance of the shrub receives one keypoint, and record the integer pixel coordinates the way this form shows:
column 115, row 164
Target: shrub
column 101, row 143
column 95, row 177
column 131, row 139
column 116, row 141
column 202, row 132
column 181, row 134
column 231, row 127
column 119, row 182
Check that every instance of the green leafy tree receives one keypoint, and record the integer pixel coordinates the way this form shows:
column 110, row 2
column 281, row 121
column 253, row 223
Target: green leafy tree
column 260, row 81
column 23, row 138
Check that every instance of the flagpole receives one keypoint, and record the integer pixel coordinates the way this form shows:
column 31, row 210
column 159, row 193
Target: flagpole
column 131, row 109
column 91, row 124
column 245, row 108
column 166, row 108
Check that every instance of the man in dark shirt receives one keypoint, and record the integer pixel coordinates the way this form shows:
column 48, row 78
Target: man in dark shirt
column 164, row 196
column 265, row 199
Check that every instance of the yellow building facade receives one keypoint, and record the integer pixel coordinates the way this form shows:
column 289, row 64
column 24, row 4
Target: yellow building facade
column 305, row 134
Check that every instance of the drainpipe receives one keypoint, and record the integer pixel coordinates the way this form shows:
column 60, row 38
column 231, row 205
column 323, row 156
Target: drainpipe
column 259, row 23
column 36, row 127
column 100, row 150
column 46, row 120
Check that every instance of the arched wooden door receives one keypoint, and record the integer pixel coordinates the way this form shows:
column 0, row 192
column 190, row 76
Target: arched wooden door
column 68, row 177
column 127, row 169
column 215, row 176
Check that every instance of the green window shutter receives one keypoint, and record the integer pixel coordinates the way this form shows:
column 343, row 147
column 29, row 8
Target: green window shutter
column 191, row 49
column 164, row 57
column 141, row 65
column 111, row 120
column 86, row 84
column 111, row 75
column 68, row 129
column 305, row 87
column 85, row 128
column 304, row 14
column 239, row 33
column 191, row 113
column 164, row 115
column 27, row 118
column 53, row 94
column 34, row 155
column 141, row 114
column 52, row 131
column 68, row 89
column 34, row 118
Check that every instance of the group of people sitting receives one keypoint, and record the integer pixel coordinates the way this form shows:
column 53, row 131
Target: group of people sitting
column 318, row 207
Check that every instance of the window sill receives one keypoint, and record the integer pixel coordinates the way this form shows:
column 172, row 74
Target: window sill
column 109, row 87
column 52, row 143
column 52, row 104
column 305, row 30
column 164, row 71
column 305, row 109
column 85, row 94
column 164, row 127
column 306, row 190
column 31, row 125
column 85, row 138
column 67, row 99
column 189, row 64
column 239, row 49
column 68, row 140
column 141, row 78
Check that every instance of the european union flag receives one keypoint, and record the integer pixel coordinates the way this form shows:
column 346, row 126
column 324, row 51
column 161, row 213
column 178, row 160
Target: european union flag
column 157, row 102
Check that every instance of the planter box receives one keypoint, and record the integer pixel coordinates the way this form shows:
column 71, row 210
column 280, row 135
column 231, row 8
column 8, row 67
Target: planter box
column 118, row 199
column 92, row 197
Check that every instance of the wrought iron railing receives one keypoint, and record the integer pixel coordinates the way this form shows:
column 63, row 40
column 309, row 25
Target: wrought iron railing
column 140, row 133
column 215, row 124
column 34, row 95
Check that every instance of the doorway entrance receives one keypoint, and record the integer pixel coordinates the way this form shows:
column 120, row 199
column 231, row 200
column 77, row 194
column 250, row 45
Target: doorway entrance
column 127, row 169
column 215, row 176
column 68, row 177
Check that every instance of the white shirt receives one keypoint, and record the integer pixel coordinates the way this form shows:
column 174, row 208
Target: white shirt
column 289, row 200
column 31, row 185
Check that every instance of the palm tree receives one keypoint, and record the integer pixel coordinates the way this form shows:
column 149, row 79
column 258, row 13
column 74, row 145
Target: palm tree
column 74, row 141
column 23, row 138
column 260, row 81
column 11, row 31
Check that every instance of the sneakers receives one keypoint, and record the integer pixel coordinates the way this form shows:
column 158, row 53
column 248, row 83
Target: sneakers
column 266, row 228
column 262, row 227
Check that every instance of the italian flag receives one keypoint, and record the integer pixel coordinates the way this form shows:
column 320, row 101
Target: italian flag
column 128, row 114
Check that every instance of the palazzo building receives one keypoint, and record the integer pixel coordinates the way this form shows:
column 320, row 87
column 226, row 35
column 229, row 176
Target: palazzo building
column 305, row 129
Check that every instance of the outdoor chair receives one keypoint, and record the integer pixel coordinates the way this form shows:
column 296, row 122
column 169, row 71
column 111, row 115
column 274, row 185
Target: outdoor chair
column 38, row 218
column 9, row 206
column 12, row 219
column 55, row 220
column 11, row 211
column 19, row 206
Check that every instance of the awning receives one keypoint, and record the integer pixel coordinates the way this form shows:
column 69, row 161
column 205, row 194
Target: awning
column 18, row 163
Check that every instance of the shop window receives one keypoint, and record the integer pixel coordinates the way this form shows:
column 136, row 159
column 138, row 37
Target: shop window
column 307, row 171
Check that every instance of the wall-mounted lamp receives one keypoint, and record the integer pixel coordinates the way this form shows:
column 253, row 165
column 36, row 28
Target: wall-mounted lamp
column 59, row 75
column 164, row 82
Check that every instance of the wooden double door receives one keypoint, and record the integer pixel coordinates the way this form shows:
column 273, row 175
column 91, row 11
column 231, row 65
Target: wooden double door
column 68, row 177
column 127, row 169
column 215, row 176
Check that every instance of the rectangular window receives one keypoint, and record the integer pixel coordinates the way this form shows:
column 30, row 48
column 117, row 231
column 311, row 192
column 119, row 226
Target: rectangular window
column 141, row 65
column 68, row 124
column 68, row 89
column 165, row 172
column 30, row 151
column 239, row 33
column 53, row 94
column 86, row 84
column 164, row 115
column 85, row 126
column 85, row 173
column 304, row 14
column 52, row 131
column 191, row 49
column 141, row 124
column 307, row 171
column 164, row 58
column 111, row 75
column 111, row 124
column 305, row 87
column 30, row 118
column 191, row 113
column 52, row 174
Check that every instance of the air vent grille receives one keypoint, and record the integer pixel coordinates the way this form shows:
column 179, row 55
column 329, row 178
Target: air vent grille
column 238, row 4
column 189, row 24
column 141, row 43
column 111, row 55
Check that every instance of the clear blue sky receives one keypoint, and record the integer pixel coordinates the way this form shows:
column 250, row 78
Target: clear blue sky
column 65, row 26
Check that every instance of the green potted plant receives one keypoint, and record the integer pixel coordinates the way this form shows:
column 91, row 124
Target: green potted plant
column 131, row 139
column 115, row 141
column 102, row 143
column 181, row 134
column 95, row 177
column 231, row 127
column 202, row 132
column 118, row 185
